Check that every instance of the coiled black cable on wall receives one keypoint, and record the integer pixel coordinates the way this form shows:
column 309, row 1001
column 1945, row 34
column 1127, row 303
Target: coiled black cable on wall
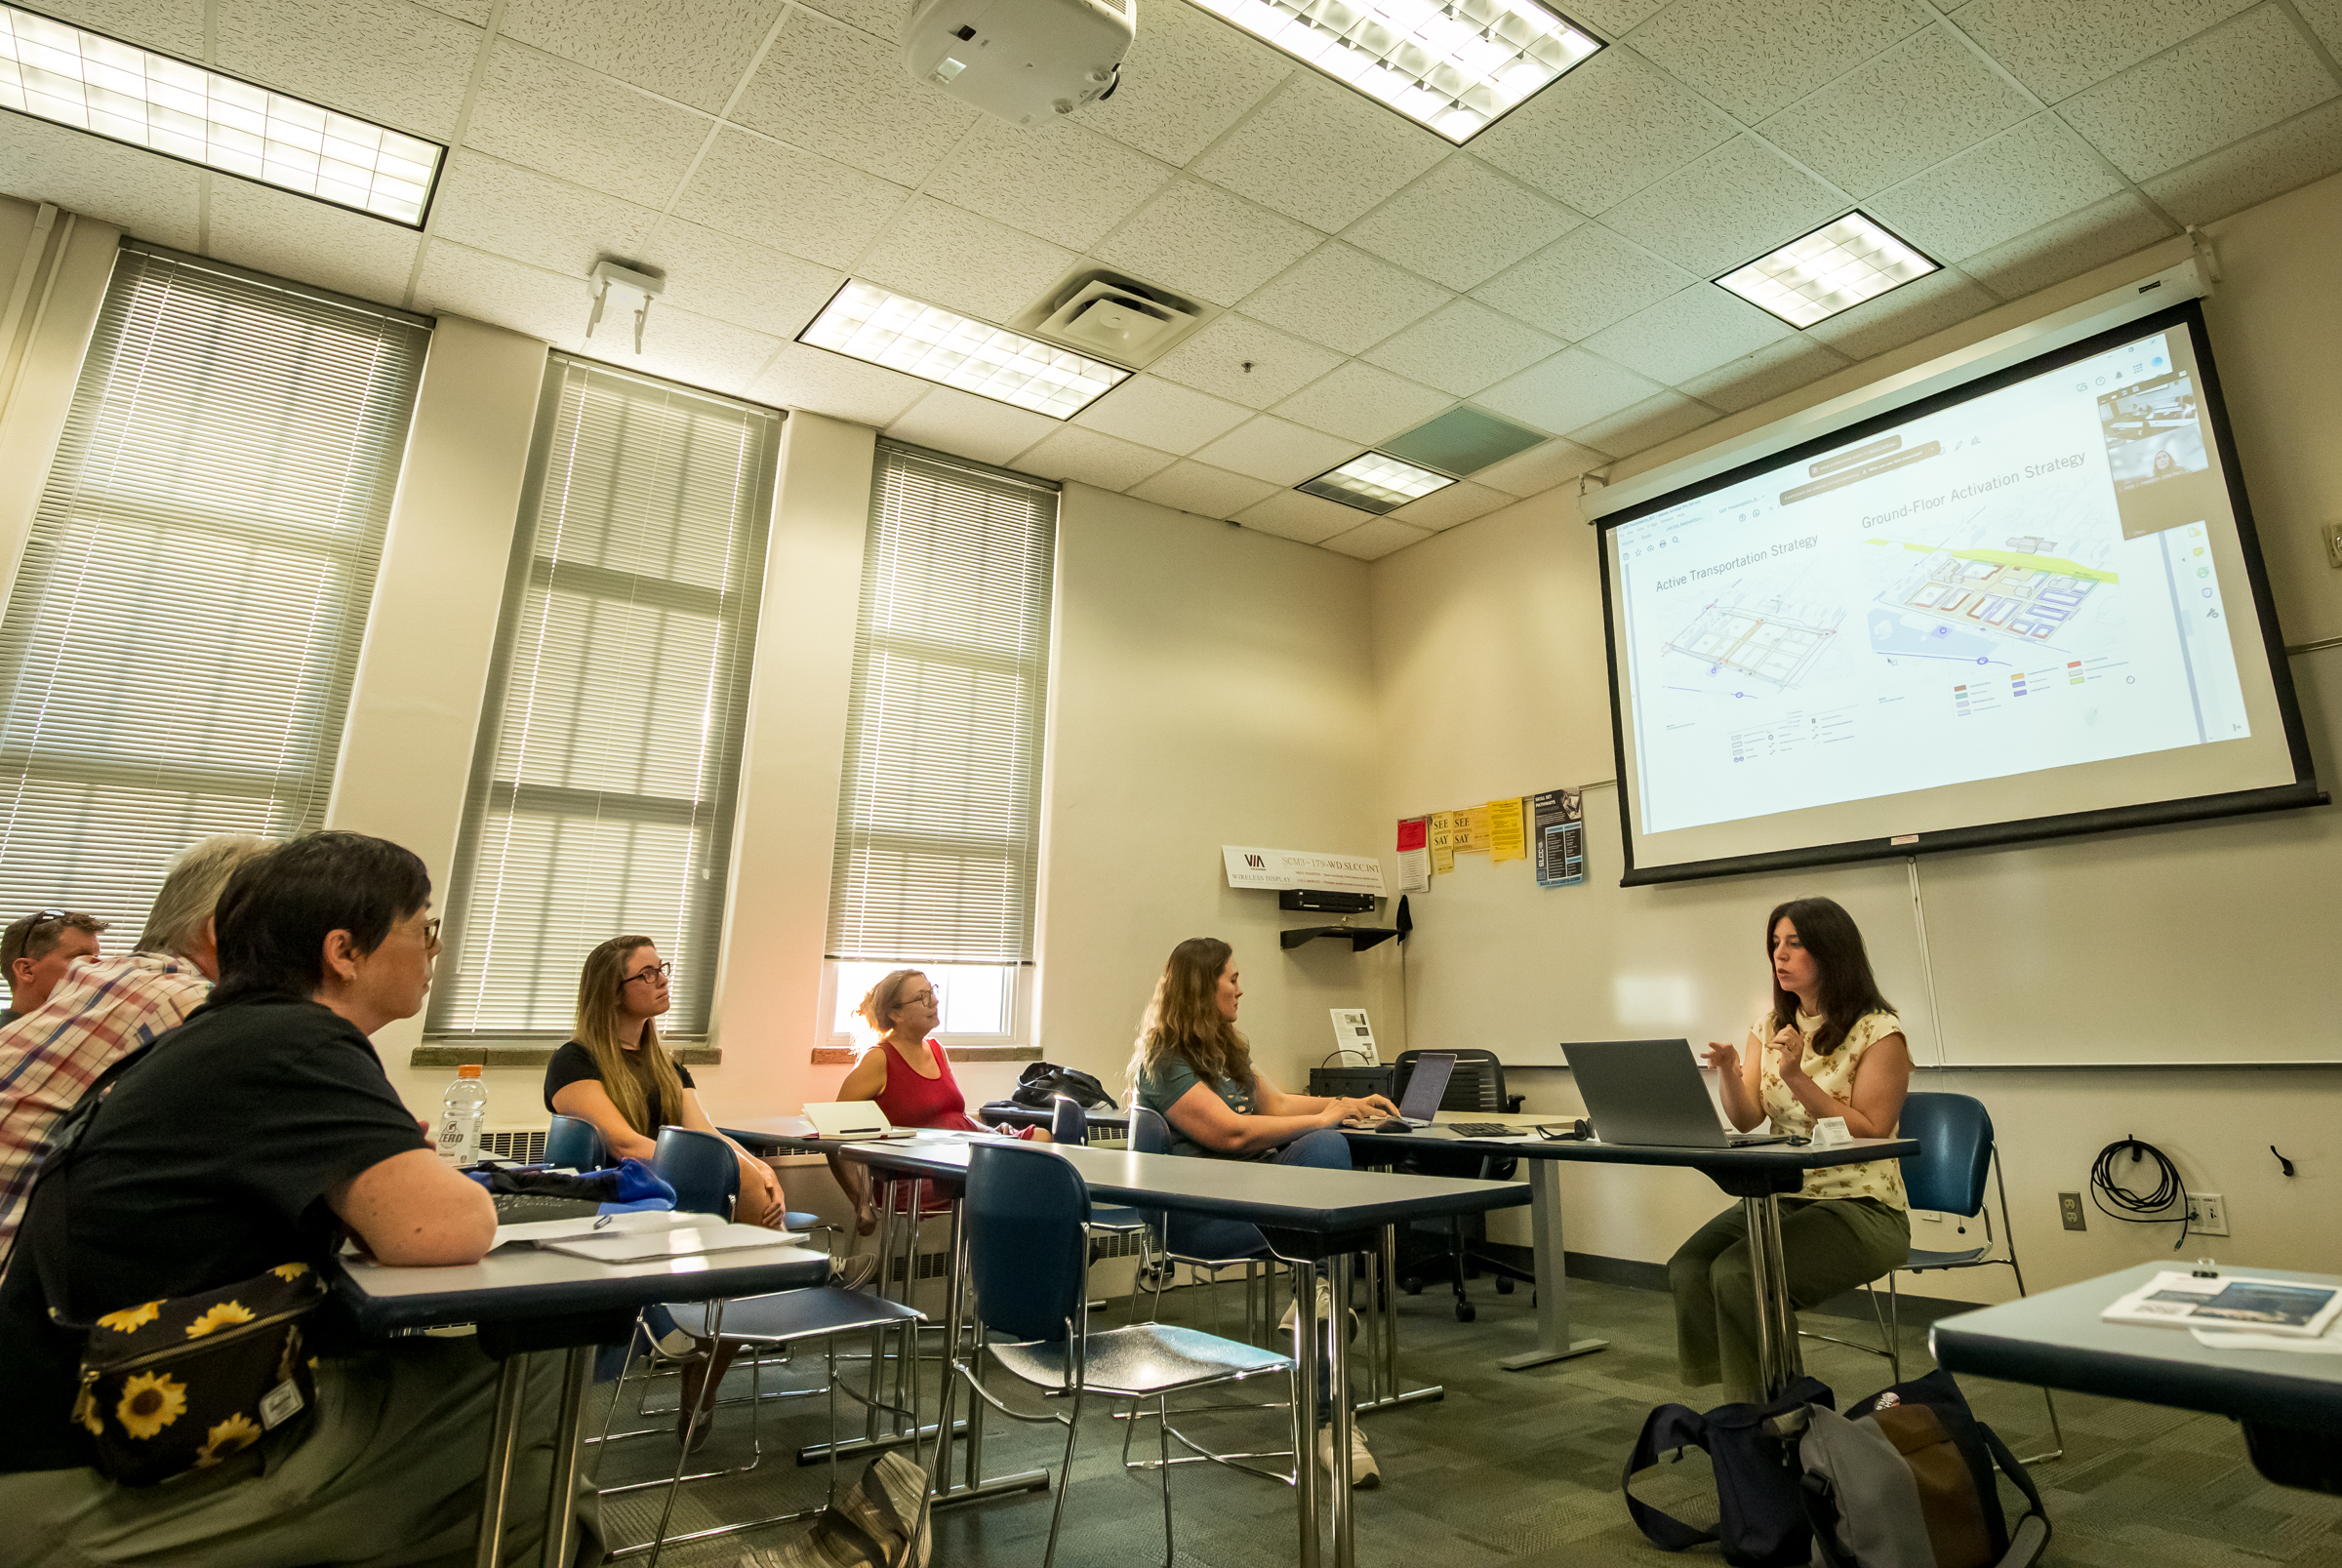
column 2119, row 1202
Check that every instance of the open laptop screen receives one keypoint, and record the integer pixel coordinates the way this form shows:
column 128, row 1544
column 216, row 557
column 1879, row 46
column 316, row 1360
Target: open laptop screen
column 1426, row 1086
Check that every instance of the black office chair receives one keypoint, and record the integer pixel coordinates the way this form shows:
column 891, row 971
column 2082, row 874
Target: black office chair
column 1477, row 1084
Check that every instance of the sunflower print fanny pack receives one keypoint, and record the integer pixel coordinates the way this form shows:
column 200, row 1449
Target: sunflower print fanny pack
column 170, row 1387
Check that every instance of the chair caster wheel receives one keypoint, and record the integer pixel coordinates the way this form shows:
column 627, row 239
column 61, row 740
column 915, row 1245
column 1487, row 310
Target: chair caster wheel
column 1411, row 1285
column 1465, row 1311
column 1504, row 1287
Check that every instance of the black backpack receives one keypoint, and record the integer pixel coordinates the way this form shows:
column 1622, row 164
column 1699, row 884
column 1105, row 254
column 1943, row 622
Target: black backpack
column 1043, row 1081
column 1761, row 1518
column 1907, row 1476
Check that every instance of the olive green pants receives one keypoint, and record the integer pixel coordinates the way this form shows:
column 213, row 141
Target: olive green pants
column 1830, row 1244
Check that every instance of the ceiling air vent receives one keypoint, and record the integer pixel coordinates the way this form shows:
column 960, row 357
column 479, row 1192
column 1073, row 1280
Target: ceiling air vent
column 1111, row 316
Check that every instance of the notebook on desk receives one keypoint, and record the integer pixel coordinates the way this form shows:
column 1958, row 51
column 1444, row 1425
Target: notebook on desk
column 1650, row 1092
column 852, row 1121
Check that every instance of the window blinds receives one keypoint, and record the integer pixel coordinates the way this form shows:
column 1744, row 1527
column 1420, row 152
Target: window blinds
column 178, row 649
column 605, row 777
column 939, row 816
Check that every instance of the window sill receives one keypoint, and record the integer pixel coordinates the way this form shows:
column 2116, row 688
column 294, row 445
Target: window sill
column 846, row 1055
column 529, row 1054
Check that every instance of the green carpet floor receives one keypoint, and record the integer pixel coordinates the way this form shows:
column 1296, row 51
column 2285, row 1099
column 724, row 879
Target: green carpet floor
column 1510, row 1467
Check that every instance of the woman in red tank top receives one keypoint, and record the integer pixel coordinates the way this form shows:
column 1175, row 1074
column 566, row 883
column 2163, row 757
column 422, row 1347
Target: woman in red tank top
column 907, row 1073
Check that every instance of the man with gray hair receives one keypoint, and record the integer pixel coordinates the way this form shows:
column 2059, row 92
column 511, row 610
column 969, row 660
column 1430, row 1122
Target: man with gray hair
column 105, row 1008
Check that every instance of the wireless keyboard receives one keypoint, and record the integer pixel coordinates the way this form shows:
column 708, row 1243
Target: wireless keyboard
column 1483, row 1129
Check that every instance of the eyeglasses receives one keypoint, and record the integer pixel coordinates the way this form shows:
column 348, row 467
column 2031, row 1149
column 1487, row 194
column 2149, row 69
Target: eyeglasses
column 41, row 917
column 657, row 974
column 430, row 933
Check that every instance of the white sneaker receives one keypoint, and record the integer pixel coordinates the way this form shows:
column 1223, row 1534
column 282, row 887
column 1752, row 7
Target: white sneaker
column 1325, row 1311
column 1364, row 1472
column 854, row 1271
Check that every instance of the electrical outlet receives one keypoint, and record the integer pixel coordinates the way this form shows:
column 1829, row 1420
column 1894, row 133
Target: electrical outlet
column 2208, row 1216
column 2069, row 1209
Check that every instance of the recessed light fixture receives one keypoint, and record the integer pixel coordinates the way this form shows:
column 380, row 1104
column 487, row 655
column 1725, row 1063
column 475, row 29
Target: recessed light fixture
column 869, row 323
column 1455, row 66
column 1376, row 482
column 53, row 71
column 1833, row 268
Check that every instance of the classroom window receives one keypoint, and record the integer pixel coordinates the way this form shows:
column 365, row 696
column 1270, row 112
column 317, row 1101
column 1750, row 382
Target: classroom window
column 178, row 649
column 605, row 780
column 937, row 852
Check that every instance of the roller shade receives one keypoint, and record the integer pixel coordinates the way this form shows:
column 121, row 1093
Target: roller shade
column 606, row 776
column 939, row 815
column 178, row 649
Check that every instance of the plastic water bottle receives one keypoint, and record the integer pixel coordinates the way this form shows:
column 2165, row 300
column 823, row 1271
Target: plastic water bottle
column 460, row 1123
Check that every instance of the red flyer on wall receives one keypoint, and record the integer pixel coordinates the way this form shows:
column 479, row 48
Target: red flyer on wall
column 1414, row 858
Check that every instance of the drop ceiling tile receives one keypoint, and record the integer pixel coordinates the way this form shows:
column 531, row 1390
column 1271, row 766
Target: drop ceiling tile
column 970, row 426
column 1729, row 207
column 465, row 282
column 689, row 348
column 1687, row 334
column 2059, row 47
column 1361, row 403
column 1914, row 105
column 2069, row 247
column 1163, row 415
column 494, row 205
column 831, row 384
column 1645, row 424
column 2324, row 18
column 474, row 12
column 1613, row 19
column 1188, row 77
column 546, row 113
column 1345, row 299
column 692, row 50
column 1268, row 448
column 1540, row 469
column 2034, row 172
column 1059, row 181
column 1199, row 239
column 1376, row 538
column 1904, row 315
column 1603, row 132
column 1461, row 347
column 1320, row 152
column 1572, row 388
column 172, row 27
column 1459, row 503
column 789, row 199
column 385, row 60
column 736, row 280
column 2302, row 150
column 1770, row 372
column 949, row 257
column 158, row 199
column 1207, row 491
column 844, row 93
column 1240, row 359
column 1290, row 514
column 1460, row 224
column 1583, row 282
column 2216, row 88
column 882, row 20
column 1751, row 57
column 1108, row 462
column 272, row 231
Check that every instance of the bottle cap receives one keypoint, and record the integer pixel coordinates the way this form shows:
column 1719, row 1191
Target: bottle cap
column 469, row 1069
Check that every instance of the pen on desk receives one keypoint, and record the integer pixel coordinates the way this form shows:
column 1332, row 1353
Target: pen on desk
column 603, row 1221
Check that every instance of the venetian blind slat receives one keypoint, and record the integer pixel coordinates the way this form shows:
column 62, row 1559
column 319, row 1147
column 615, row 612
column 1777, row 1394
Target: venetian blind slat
column 605, row 780
column 178, row 649
column 937, row 855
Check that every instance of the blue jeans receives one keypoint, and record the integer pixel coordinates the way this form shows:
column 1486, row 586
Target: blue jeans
column 1201, row 1237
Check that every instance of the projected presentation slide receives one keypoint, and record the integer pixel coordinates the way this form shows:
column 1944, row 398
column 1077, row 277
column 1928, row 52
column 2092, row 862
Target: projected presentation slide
column 2024, row 581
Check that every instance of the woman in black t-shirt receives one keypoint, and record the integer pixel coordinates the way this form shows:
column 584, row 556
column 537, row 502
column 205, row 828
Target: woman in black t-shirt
column 615, row 1074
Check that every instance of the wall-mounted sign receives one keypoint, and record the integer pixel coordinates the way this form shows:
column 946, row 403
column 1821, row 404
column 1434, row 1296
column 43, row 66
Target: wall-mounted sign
column 1251, row 867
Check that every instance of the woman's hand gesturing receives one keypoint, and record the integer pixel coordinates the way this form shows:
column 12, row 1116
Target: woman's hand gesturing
column 1723, row 1058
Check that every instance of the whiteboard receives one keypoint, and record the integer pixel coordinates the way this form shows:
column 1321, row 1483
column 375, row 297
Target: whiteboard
column 2206, row 944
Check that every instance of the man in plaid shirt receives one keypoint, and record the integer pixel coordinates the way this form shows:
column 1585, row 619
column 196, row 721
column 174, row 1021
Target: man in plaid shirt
column 105, row 1009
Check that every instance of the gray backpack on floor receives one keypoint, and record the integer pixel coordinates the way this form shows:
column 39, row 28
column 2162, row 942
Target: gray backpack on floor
column 1905, row 1479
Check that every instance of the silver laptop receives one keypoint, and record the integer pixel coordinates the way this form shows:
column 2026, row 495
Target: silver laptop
column 1650, row 1092
column 852, row 1121
column 1426, row 1086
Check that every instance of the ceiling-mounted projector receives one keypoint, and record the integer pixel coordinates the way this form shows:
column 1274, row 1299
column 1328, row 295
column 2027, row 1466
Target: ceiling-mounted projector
column 1026, row 60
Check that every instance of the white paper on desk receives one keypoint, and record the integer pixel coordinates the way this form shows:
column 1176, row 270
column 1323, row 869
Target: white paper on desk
column 2327, row 1344
column 603, row 1224
column 672, row 1242
column 2242, row 1303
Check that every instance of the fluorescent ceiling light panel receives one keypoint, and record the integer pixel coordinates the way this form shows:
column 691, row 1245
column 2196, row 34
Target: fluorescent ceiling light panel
column 1376, row 482
column 884, row 328
column 72, row 76
column 1833, row 268
column 1455, row 66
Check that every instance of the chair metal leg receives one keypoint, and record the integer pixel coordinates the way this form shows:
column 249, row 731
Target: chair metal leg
column 1892, row 1338
column 1162, row 1438
column 691, row 1432
column 1065, row 1477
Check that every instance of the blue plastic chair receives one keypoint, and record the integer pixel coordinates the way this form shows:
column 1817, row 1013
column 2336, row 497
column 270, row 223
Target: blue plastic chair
column 1070, row 1124
column 576, row 1143
column 1026, row 1219
column 702, row 1169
